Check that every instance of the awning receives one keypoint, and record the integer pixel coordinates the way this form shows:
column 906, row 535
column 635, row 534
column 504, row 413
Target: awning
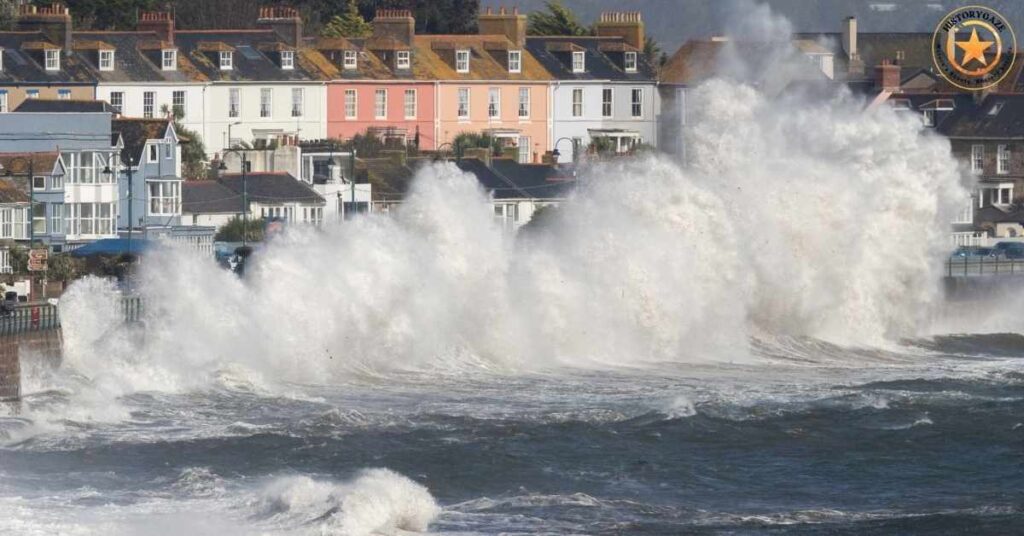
column 112, row 247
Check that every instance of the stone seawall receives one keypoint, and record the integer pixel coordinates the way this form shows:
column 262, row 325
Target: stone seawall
column 43, row 347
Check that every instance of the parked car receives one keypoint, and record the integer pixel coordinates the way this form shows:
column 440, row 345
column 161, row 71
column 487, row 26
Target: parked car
column 976, row 252
column 1010, row 250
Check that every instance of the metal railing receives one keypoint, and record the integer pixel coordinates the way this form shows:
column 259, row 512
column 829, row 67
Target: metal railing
column 983, row 266
column 29, row 317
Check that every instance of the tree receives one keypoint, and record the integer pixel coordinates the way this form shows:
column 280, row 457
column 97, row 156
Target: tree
column 349, row 24
column 652, row 51
column 232, row 231
column 193, row 152
column 557, row 20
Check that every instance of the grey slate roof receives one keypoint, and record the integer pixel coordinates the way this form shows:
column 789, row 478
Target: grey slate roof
column 272, row 187
column 63, row 106
column 983, row 121
column 209, row 197
column 137, row 57
column 21, row 65
column 252, row 58
column 599, row 64
column 508, row 179
column 135, row 131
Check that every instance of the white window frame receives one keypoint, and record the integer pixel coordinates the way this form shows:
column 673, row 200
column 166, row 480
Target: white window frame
column 351, row 106
column 148, row 103
column 524, row 103
column 56, row 218
column 1003, row 159
column 39, row 188
column 403, row 59
column 977, row 158
column 184, row 100
column 165, row 197
column 607, row 106
column 462, row 108
column 577, row 104
column 234, row 102
column 298, row 102
column 38, row 229
column 636, row 105
column 494, row 104
column 630, row 62
column 106, row 60
column 462, row 60
column 288, row 60
column 515, row 61
column 3, row 102
column 350, row 60
column 410, row 104
column 152, row 153
column 380, row 104
column 63, row 94
column 928, row 118
column 266, row 102
column 31, row 93
column 52, row 56
column 227, row 60
column 119, row 106
column 579, row 61
column 169, row 59
column 1, row 59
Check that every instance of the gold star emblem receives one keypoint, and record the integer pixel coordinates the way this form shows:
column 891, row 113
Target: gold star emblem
column 974, row 49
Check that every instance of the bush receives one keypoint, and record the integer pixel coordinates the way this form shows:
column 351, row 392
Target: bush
column 232, row 231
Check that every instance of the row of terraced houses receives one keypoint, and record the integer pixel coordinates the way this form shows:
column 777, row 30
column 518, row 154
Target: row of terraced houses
column 273, row 81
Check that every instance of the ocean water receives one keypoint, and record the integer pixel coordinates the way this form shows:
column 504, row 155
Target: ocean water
column 753, row 342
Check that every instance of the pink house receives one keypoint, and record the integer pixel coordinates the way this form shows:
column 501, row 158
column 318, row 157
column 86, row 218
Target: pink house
column 391, row 109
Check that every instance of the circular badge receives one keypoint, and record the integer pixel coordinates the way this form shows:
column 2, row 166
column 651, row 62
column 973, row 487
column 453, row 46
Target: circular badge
column 973, row 47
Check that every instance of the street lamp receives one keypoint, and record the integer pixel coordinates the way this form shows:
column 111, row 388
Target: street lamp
column 244, row 250
column 437, row 155
column 555, row 153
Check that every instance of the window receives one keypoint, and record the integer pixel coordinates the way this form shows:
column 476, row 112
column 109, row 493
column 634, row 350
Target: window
column 1001, row 196
column 56, row 218
column 524, row 103
column 494, row 103
column 148, row 98
column 53, row 60
column 39, row 218
column 234, row 102
column 170, row 59
column 178, row 103
column 900, row 55
column 928, row 118
column 606, row 102
column 117, row 101
column 462, row 61
column 380, row 104
column 164, row 198
column 32, row 94
column 515, row 61
column 577, row 102
column 410, row 104
column 977, row 158
column 225, row 61
column 38, row 182
column 463, row 103
column 350, row 104
column 64, row 94
column 579, row 62
column 350, row 59
column 56, row 182
column 637, row 101
column 630, row 62
column 507, row 214
column 1, row 59
column 402, row 60
column 3, row 102
column 106, row 60
column 152, row 152
column 266, row 101
column 288, row 59
column 1003, row 159
column 298, row 101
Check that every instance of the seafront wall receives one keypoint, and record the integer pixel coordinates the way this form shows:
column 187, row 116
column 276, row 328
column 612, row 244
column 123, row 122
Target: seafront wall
column 43, row 347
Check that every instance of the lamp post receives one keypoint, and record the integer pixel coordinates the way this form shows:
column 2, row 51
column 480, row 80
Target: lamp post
column 555, row 153
column 244, row 250
column 438, row 157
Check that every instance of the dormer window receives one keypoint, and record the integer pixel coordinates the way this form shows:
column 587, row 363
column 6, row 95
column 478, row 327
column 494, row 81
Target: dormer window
column 170, row 59
column 106, row 60
column 350, row 59
column 462, row 61
column 402, row 59
column 225, row 60
column 53, row 59
column 515, row 61
column 578, row 62
column 288, row 59
column 630, row 62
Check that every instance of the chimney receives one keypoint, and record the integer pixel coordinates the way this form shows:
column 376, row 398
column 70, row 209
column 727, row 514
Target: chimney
column 395, row 23
column 510, row 24
column 855, row 66
column 283, row 20
column 887, row 76
column 54, row 21
column 159, row 22
column 625, row 24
